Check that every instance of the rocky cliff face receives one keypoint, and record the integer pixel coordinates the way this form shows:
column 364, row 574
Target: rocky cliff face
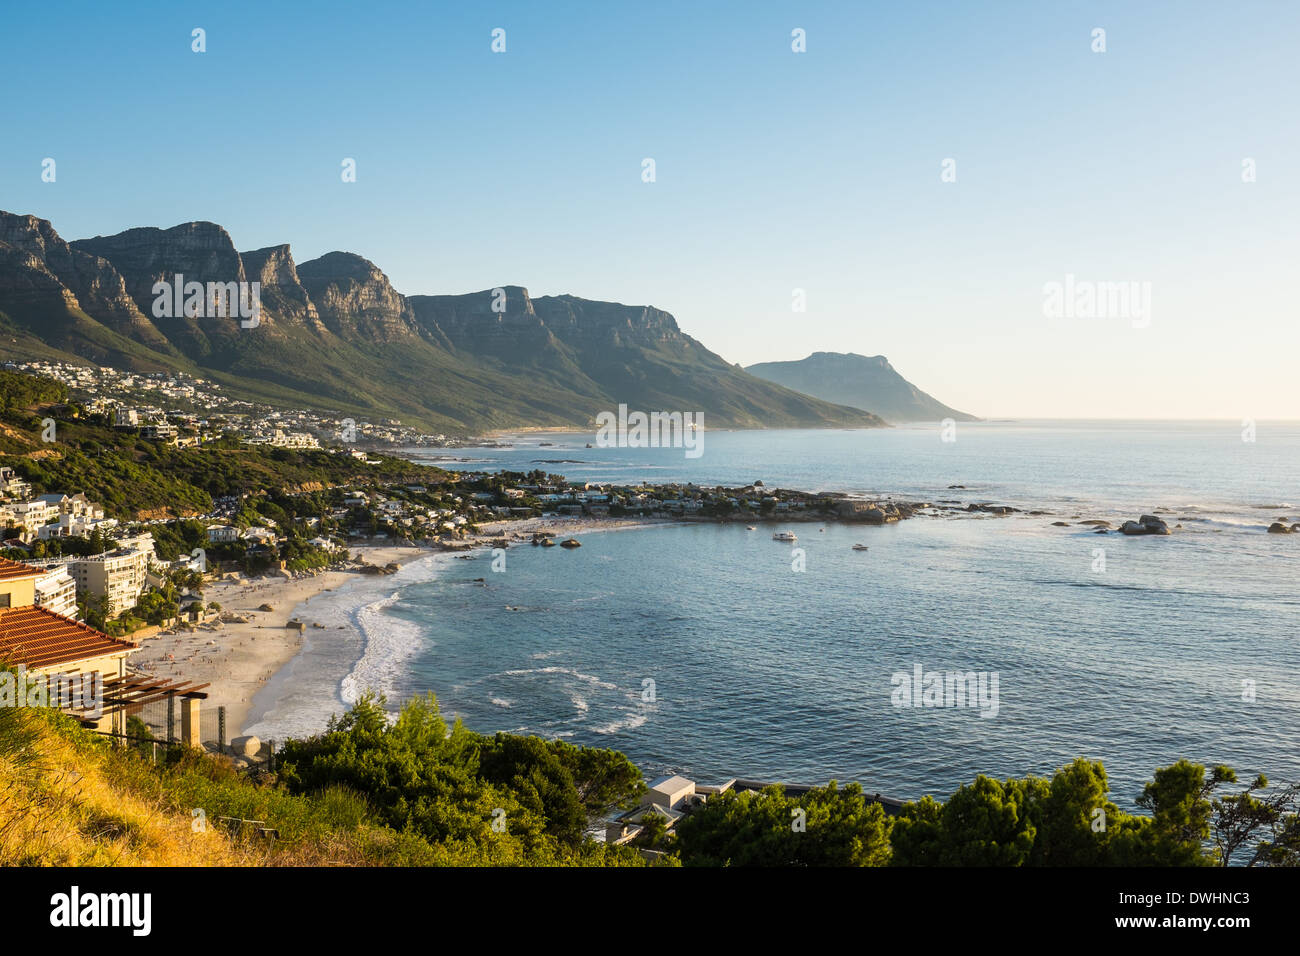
column 93, row 284
column 562, row 328
column 609, row 324
column 469, row 323
column 355, row 300
column 200, row 251
column 26, row 282
column 284, row 297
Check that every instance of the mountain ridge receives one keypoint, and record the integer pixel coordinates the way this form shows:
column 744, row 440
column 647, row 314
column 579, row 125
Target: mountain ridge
column 335, row 335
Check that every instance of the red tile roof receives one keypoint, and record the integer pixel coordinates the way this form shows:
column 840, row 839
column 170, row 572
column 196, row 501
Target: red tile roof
column 36, row 637
column 15, row 569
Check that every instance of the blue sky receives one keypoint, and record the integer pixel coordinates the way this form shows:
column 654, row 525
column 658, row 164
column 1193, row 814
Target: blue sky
column 775, row 170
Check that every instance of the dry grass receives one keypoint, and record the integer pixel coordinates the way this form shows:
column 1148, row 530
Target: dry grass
column 58, row 807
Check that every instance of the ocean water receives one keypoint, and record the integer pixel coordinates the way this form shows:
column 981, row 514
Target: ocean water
column 715, row 652
column 1124, row 465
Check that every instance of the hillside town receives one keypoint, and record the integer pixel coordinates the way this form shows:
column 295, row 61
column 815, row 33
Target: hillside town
column 183, row 410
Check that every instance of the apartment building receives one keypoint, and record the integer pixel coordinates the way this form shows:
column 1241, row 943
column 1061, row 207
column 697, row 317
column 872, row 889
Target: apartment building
column 56, row 591
column 119, row 575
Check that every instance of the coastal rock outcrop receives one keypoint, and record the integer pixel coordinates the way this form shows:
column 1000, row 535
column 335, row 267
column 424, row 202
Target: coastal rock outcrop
column 1147, row 524
column 1277, row 527
column 878, row 512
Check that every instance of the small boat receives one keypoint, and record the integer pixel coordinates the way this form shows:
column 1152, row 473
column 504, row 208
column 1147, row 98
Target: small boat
column 784, row 536
column 750, row 527
column 859, row 547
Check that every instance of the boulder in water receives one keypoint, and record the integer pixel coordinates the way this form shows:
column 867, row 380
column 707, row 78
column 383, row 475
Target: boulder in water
column 1147, row 524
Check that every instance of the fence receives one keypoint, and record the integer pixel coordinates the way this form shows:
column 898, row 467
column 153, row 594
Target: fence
column 159, row 723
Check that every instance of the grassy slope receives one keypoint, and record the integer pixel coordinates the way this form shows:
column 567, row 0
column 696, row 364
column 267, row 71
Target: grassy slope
column 69, row 797
column 62, row 803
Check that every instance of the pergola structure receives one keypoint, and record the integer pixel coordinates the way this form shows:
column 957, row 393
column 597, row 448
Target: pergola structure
column 127, row 694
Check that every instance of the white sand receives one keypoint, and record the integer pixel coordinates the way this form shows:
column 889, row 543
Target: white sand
column 238, row 659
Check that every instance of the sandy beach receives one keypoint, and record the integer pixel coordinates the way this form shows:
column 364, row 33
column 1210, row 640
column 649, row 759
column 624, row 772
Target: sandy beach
column 239, row 651
column 238, row 657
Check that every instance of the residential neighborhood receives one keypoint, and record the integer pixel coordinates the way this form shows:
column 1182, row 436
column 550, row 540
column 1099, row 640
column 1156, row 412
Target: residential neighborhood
column 183, row 410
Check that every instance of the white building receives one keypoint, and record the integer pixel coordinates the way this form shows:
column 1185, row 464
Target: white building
column 31, row 516
column 260, row 536
column 119, row 575
column 13, row 487
column 56, row 591
column 77, row 517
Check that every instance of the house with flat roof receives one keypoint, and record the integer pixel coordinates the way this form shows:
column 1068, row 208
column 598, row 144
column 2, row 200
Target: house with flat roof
column 670, row 797
column 670, row 791
column 222, row 533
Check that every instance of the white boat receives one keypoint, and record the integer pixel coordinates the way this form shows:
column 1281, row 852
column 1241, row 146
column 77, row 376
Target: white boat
column 750, row 527
column 859, row 547
column 784, row 536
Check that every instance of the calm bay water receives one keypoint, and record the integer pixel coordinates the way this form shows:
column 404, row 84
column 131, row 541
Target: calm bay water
column 762, row 671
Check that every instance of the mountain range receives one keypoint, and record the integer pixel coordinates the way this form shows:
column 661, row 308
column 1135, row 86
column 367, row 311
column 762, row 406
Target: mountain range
column 334, row 335
column 861, row 381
